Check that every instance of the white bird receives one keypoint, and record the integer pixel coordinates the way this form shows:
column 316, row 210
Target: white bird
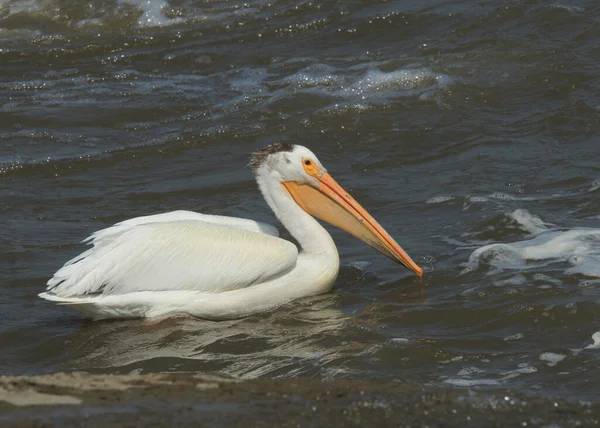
column 217, row 267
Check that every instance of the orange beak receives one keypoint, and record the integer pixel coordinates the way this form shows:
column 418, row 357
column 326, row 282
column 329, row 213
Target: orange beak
column 331, row 203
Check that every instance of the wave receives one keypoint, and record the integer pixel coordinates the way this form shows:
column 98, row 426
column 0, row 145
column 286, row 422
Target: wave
column 578, row 248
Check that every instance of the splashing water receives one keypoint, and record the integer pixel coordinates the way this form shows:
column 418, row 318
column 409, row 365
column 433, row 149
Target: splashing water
column 152, row 12
column 580, row 247
column 596, row 339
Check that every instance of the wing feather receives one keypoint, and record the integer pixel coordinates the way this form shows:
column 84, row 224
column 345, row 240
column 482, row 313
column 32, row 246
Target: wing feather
column 183, row 254
column 235, row 222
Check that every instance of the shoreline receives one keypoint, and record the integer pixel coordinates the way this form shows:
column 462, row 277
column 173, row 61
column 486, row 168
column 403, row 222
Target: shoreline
column 183, row 399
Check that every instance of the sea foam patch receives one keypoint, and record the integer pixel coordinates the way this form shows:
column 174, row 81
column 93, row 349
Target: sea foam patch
column 596, row 339
column 152, row 12
column 367, row 83
column 471, row 376
column 579, row 247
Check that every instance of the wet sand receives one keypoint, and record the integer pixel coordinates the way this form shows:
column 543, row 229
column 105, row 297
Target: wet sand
column 180, row 399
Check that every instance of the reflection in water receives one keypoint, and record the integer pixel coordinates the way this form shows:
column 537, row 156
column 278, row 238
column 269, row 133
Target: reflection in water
column 275, row 343
column 305, row 336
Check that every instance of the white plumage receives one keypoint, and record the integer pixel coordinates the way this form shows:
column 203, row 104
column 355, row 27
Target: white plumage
column 174, row 255
column 202, row 265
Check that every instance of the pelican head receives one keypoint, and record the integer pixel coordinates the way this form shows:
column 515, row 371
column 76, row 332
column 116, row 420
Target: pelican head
column 304, row 177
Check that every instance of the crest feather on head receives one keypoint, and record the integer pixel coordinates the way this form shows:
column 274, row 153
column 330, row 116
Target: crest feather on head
column 259, row 156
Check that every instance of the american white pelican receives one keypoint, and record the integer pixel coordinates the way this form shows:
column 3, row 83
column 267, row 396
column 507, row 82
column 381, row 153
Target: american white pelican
column 217, row 267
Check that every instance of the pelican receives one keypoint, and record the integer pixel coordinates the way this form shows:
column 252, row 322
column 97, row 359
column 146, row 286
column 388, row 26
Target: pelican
column 215, row 267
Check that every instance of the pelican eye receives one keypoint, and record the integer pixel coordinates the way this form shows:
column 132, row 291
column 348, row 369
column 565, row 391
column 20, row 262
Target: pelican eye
column 311, row 167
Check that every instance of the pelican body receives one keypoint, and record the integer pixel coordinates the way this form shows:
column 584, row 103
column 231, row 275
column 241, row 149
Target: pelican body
column 217, row 267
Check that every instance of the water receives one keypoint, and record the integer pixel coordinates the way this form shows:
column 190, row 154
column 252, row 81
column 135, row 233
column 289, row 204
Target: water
column 470, row 131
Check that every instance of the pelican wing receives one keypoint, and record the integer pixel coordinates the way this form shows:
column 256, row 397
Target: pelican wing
column 236, row 222
column 177, row 251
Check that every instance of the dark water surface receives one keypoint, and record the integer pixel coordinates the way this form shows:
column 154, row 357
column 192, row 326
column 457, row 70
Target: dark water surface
column 470, row 130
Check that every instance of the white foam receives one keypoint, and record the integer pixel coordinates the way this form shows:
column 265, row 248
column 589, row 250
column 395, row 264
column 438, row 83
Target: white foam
column 399, row 340
column 503, row 196
column 570, row 8
column 546, row 278
column 517, row 372
column 470, row 370
column 316, row 75
column 473, row 382
column 528, row 222
column 465, row 373
column 580, row 247
column 406, row 79
column 596, row 339
column 452, row 360
column 439, row 199
column 24, row 6
column 152, row 12
column 516, row 336
column 476, row 199
column 370, row 86
column 551, row 358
